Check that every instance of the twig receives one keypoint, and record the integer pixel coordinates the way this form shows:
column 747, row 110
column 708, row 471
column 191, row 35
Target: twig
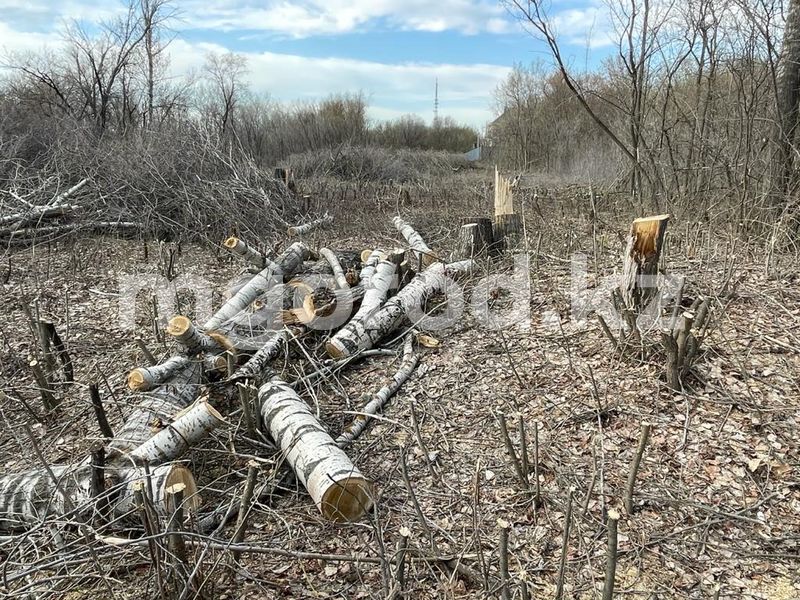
column 99, row 412
column 637, row 459
column 562, row 567
column 611, row 555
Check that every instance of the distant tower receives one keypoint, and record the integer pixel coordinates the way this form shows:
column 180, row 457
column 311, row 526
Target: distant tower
column 436, row 103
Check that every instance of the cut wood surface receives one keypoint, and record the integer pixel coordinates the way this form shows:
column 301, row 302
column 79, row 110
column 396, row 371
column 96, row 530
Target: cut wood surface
column 337, row 487
column 640, row 261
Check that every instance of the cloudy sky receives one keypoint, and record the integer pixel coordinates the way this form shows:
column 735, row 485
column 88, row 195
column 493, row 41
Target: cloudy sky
column 391, row 50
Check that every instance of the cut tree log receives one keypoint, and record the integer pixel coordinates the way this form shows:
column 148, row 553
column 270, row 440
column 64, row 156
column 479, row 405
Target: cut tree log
column 143, row 379
column 285, row 266
column 377, row 289
column 640, row 267
column 257, row 367
column 68, row 490
column 236, row 246
column 337, row 487
column 379, row 400
column 188, row 428
column 388, row 318
column 475, row 238
column 420, row 249
column 336, row 268
column 156, row 481
column 195, row 341
column 155, row 409
column 310, row 226
column 39, row 213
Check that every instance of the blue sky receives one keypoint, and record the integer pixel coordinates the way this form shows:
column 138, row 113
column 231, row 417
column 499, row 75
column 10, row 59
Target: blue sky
column 391, row 50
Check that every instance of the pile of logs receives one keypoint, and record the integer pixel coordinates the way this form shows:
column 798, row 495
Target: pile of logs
column 53, row 218
column 349, row 301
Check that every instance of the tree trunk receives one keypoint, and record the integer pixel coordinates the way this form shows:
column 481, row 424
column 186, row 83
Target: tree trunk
column 788, row 101
column 640, row 268
column 337, row 487
column 475, row 238
column 422, row 253
column 382, row 322
column 507, row 230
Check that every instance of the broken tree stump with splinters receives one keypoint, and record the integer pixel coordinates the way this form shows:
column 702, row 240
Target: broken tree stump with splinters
column 640, row 267
column 507, row 224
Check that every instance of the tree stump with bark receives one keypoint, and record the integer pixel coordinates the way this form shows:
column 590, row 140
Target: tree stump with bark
column 475, row 238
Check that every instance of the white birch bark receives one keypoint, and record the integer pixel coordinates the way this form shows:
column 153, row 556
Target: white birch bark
column 188, row 428
column 379, row 400
column 155, row 483
column 286, row 265
column 305, row 228
column 30, row 497
column 37, row 213
column 258, row 366
column 60, row 198
column 368, row 270
column 421, row 250
column 337, row 487
column 336, row 267
column 376, row 290
column 236, row 246
column 143, row 379
column 385, row 320
column 155, row 409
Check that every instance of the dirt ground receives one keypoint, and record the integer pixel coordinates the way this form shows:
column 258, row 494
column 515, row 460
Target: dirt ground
column 717, row 498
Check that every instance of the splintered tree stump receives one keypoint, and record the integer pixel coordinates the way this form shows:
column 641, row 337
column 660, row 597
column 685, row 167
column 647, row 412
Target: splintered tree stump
column 640, row 268
column 507, row 230
column 475, row 238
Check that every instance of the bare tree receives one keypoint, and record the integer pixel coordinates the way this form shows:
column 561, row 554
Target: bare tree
column 225, row 75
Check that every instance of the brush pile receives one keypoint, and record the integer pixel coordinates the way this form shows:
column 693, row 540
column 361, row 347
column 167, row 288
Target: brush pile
column 343, row 303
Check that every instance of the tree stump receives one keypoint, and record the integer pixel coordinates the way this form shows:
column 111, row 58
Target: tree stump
column 640, row 269
column 507, row 230
column 475, row 238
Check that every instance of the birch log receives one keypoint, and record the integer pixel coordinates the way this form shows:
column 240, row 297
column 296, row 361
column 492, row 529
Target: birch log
column 414, row 239
column 286, row 265
column 337, row 487
column 156, row 481
column 365, row 335
column 377, row 288
column 195, row 341
column 336, row 267
column 236, row 246
column 187, row 429
column 60, row 198
column 67, row 490
column 155, row 409
column 370, row 264
column 143, row 379
column 38, row 213
column 303, row 229
column 379, row 400
column 258, row 366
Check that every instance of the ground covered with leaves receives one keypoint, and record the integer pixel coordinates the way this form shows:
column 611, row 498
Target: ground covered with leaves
column 717, row 497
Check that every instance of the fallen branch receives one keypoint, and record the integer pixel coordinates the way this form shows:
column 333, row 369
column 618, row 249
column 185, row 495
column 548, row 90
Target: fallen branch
column 303, row 229
column 379, row 400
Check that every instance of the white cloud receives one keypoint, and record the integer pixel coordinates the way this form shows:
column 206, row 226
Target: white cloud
column 391, row 89
column 12, row 40
column 321, row 17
